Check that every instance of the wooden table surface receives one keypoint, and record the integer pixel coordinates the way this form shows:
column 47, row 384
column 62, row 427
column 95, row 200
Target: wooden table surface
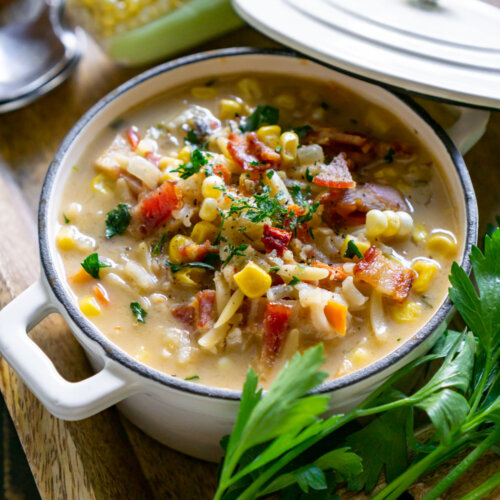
column 105, row 457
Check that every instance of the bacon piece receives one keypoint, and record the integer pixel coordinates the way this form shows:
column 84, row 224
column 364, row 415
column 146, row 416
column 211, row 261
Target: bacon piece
column 133, row 137
column 250, row 153
column 195, row 252
column 351, row 205
column 222, row 171
column 336, row 174
column 275, row 239
column 336, row 271
column 328, row 135
column 384, row 275
column 156, row 207
column 206, row 301
column 276, row 319
column 185, row 313
column 253, row 311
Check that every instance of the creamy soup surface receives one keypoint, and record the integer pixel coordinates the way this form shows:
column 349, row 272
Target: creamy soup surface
column 235, row 221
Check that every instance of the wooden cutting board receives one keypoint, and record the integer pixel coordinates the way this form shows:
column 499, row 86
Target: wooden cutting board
column 105, row 457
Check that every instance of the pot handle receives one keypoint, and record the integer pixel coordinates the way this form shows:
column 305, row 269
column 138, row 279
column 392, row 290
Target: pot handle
column 64, row 399
column 469, row 127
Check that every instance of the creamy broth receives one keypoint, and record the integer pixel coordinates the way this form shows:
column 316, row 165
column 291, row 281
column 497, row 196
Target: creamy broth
column 348, row 171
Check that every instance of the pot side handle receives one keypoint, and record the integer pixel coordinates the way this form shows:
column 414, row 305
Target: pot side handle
column 64, row 399
column 469, row 127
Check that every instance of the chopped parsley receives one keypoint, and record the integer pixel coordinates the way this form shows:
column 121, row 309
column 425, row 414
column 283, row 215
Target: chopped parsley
column 118, row 220
column 233, row 251
column 294, row 281
column 193, row 377
column 273, row 269
column 175, row 268
column 263, row 115
column 308, row 175
column 159, row 246
column 302, row 131
column 198, row 160
column 270, row 174
column 138, row 312
column 389, row 157
column 278, row 149
column 298, row 195
column 255, row 163
column 352, row 250
column 92, row 265
column 66, row 220
column 192, row 137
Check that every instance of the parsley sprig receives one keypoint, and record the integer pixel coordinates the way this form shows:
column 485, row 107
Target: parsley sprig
column 234, row 251
column 197, row 162
column 263, row 115
column 280, row 442
column 117, row 220
column 139, row 313
column 92, row 265
column 175, row 268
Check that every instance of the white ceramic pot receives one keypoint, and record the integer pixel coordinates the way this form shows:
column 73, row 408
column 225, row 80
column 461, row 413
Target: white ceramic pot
column 184, row 415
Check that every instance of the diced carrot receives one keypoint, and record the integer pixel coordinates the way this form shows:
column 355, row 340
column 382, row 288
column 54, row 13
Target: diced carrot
column 336, row 314
column 100, row 293
column 133, row 137
column 81, row 276
column 337, row 271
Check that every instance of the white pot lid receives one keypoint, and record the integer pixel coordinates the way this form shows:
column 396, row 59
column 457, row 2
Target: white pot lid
column 448, row 49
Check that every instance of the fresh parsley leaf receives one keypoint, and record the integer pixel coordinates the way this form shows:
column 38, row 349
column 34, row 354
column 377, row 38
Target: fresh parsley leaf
column 389, row 157
column 298, row 195
column 308, row 175
column 352, row 251
column 294, row 281
column 193, row 377
column 263, row 115
column 278, row 149
column 198, row 160
column 138, row 312
column 92, row 264
column 233, row 251
column 273, row 269
column 192, row 137
column 157, row 249
column 175, row 268
column 118, row 220
column 66, row 220
column 269, row 174
column 302, row 131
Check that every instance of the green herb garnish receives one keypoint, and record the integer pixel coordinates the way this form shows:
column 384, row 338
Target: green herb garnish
column 278, row 149
column 138, row 312
column 193, row 377
column 302, row 131
column 233, row 251
column 66, row 220
column 294, row 281
column 263, row 115
column 352, row 251
column 308, row 175
column 175, row 268
column 273, row 269
column 157, row 249
column 192, row 138
column 198, row 160
column 281, row 443
column 118, row 220
column 92, row 264
column 389, row 157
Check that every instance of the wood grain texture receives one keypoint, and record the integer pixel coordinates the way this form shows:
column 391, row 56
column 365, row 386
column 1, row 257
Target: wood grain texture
column 105, row 457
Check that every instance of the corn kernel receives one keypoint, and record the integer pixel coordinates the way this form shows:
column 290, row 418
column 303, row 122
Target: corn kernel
column 100, row 184
column 405, row 223
column 363, row 246
column 185, row 276
column 168, row 161
column 203, row 92
column 359, row 356
column 211, row 186
column 222, row 143
column 376, row 223
column 229, row 109
column 253, row 281
column 442, row 243
column 250, row 88
column 184, row 154
column 285, row 101
column 168, row 176
column 393, row 223
column 425, row 269
column 89, row 306
column 146, row 146
column 377, row 122
column 142, row 355
column 203, row 231
column 270, row 135
column 176, row 243
column 66, row 238
column 419, row 234
column 409, row 311
column 289, row 142
column 208, row 209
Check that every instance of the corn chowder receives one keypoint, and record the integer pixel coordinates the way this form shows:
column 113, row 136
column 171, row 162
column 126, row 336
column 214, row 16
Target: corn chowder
column 241, row 220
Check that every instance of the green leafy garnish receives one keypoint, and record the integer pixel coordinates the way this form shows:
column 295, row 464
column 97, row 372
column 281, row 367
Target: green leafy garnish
column 66, row 220
column 233, row 251
column 281, row 443
column 198, row 160
column 193, row 377
column 175, row 268
column 294, row 281
column 308, row 175
column 389, row 157
column 263, row 115
column 138, row 312
column 118, row 220
column 192, row 137
column 92, row 264
column 302, row 131
column 269, row 174
column 157, row 249
column 273, row 269
column 352, row 251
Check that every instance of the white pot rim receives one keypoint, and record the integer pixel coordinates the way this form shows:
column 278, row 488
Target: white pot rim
column 113, row 352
